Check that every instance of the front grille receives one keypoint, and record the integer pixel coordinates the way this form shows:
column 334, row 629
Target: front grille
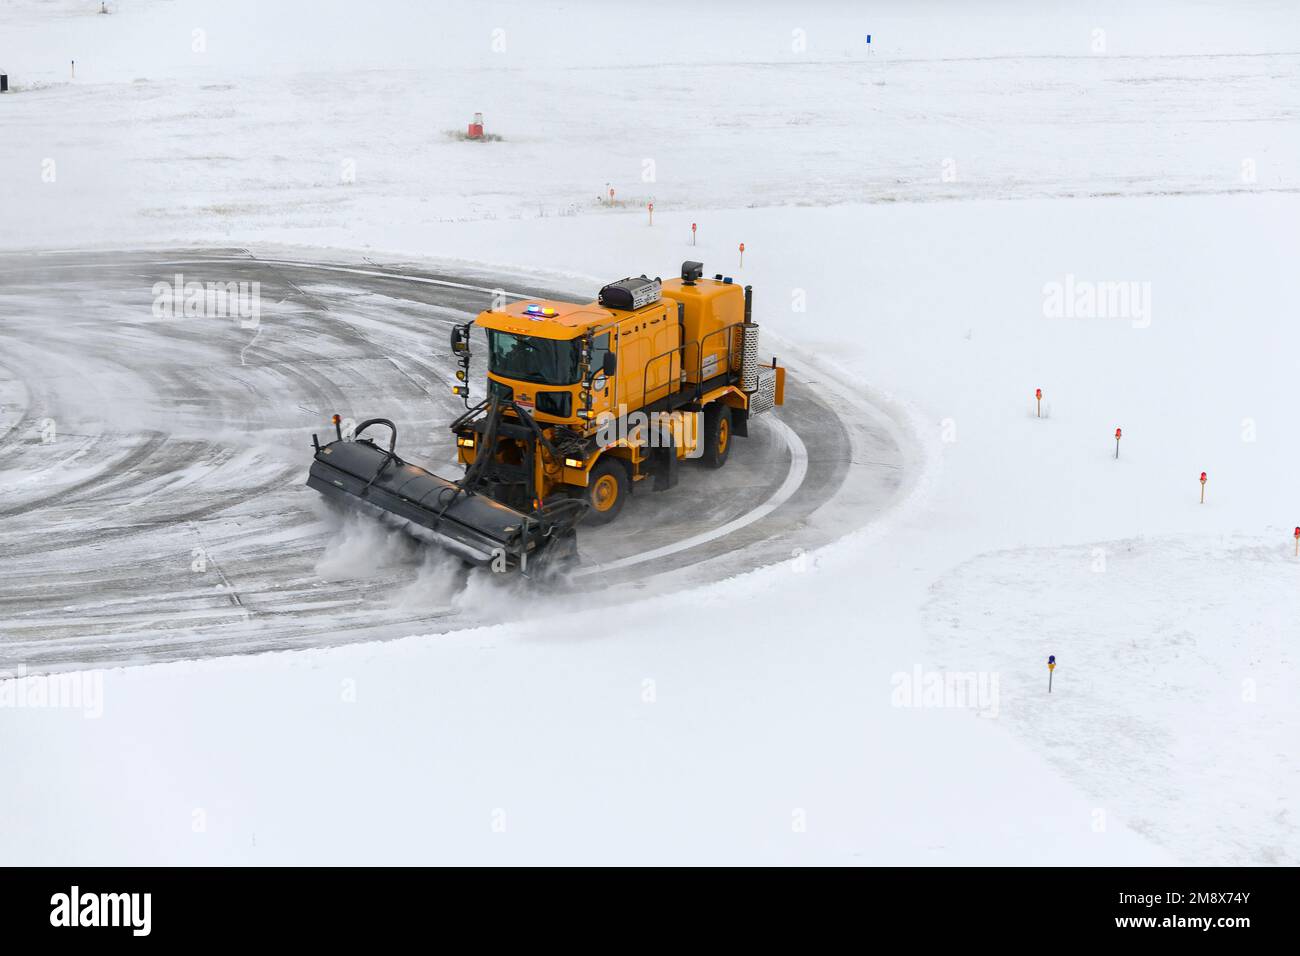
column 559, row 404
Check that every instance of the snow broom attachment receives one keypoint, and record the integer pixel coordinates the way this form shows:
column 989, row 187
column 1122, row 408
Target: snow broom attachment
column 472, row 526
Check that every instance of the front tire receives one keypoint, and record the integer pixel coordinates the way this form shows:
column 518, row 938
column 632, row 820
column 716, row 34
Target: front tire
column 717, row 436
column 607, row 489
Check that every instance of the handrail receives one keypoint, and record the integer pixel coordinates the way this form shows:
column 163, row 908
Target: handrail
column 729, row 349
column 683, row 363
column 645, row 374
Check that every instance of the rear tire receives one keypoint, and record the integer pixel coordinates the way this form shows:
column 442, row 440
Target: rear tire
column 718, row 435
column 607, row 489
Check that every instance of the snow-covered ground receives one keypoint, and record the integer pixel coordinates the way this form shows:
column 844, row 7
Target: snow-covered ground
column 324, row 122
column 912, row 216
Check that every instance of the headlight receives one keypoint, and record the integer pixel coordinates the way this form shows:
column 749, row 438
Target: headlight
column 465, row 442
column 573, row 462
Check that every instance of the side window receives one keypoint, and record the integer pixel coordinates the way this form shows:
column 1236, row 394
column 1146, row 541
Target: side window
column 599, row 349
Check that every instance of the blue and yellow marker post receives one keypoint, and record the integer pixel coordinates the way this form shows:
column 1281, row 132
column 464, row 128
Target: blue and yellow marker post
column 1051, row 666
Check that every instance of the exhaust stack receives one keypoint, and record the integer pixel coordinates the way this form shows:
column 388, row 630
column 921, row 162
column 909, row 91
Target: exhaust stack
column 749, row 346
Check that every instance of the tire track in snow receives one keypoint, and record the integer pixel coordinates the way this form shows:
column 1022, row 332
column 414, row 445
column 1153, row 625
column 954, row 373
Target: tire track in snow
column 200, row 440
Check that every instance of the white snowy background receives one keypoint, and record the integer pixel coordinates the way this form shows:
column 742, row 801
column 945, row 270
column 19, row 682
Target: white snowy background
column 918, row 197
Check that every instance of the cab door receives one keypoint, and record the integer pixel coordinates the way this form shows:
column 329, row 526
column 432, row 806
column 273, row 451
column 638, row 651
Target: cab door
column 603, row 387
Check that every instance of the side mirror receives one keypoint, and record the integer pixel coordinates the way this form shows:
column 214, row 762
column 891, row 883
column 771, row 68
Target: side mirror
column 459, row 339
column 460, row 349
column 610, row 365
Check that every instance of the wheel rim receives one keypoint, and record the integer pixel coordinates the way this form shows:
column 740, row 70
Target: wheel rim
column 604, row 493
column 723, row 436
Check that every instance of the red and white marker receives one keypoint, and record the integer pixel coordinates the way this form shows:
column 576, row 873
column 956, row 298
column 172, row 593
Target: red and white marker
column 611, row 195
column 1118, row 434
column 742, row 255
column 650, row 206
column 692, row 233
column 1203, row 480
column 1038, row 394
column 1297, row 542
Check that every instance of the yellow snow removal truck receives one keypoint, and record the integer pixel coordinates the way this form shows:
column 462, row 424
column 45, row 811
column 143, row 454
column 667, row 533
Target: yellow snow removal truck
column 584, row 403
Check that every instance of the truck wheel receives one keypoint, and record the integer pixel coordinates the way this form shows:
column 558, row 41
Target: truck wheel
column 717, row 435
column 607, row 489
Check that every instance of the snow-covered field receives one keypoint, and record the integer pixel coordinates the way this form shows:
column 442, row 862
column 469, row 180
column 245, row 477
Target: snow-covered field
column 912, row 216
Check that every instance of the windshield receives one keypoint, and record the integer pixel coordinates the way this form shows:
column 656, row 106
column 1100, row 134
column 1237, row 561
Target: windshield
column 529, row 359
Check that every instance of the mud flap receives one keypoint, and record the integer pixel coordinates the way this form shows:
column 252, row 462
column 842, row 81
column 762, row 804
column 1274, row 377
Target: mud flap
column 663, row 463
